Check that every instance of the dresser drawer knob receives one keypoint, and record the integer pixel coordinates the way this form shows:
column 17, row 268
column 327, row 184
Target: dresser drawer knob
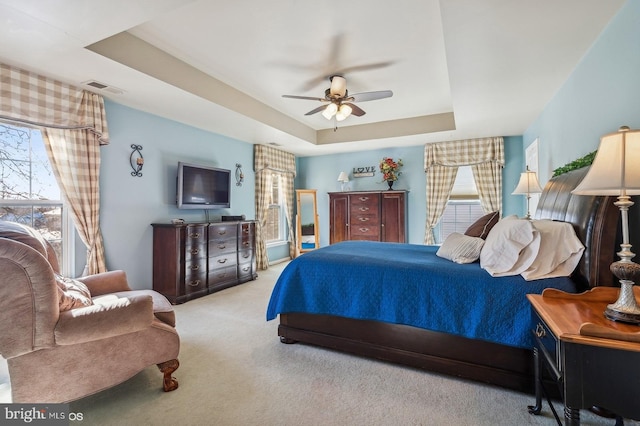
column 364, row 198
column 222, row 232
column 364, row 229
column 195, row 267
column 194, row 235
column 364, row 209
column 540, row 331
column 194, row 283
column 363, row 219
column 222, row 246
column 222, row 260
column 195, row 251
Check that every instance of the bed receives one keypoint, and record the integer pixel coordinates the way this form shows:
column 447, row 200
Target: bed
column 337, row 297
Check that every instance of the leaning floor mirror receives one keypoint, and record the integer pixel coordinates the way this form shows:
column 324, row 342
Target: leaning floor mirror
column 307, row 234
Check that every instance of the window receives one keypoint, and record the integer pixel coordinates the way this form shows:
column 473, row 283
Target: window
column 29, row 193
column 463, row 207
column 276, row 227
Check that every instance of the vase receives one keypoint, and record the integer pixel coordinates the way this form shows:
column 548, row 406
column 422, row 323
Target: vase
column 390, row 183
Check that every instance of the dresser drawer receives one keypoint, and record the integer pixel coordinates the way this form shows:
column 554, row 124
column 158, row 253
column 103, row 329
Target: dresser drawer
column 364, row 232
column 223, row 275
column 195, row 242
column 195, row 280
column 363, row 219
column 245, row 256
column 247, row 231
column 221, row 246
column 223, row 231
column 364, row 204
column 222, row 261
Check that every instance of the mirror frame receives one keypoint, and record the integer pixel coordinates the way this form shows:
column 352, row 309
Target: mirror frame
column 299, row 194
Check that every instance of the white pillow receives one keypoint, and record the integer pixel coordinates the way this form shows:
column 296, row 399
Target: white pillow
column 461, row 248
column 560, row 251
column 504, row 249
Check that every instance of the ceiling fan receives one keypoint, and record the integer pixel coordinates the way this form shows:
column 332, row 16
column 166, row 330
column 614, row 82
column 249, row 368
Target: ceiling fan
column 337, row 101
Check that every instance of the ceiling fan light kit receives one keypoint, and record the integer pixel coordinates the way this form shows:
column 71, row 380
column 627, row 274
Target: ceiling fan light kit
column 338, row 86
column 343, row 112
column 339, row 103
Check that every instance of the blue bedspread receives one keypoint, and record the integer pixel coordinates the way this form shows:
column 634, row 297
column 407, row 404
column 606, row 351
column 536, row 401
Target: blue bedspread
column 408, row 284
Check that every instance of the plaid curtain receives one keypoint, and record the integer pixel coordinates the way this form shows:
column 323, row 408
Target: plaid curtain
column 76, row 165
column 31, row 99
column 74, row 126
column 266, row 161
column 441, row 162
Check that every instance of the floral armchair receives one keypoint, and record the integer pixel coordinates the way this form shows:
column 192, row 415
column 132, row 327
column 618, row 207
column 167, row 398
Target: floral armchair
column 65, row 339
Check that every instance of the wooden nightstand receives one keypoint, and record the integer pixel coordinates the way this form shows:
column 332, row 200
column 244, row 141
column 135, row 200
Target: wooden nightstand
column 595, row 361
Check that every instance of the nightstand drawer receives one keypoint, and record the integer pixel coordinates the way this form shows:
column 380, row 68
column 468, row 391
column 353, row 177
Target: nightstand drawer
column 548, row 344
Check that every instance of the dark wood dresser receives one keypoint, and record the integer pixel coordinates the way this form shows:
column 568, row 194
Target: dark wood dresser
column 368, row 215
column 194, row 259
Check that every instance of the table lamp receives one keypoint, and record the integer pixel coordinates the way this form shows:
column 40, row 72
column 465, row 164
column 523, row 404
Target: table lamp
column 528, row 185
column 344, row 179
column 616, row 171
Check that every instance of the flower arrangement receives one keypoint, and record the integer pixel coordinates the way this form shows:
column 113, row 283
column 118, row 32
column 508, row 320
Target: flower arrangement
column 390, row 169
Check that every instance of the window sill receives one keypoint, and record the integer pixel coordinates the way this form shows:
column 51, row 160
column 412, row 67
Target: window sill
column 277, row 243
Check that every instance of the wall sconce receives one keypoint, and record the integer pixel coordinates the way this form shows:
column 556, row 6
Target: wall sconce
column 239, row 174
column 136, row 160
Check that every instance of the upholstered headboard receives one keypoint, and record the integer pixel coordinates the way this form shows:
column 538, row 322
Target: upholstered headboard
column 595, row 220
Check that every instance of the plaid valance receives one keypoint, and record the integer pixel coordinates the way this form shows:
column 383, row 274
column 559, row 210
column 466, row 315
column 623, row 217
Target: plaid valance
column 269, row 158
column 464, row 152
column 29, row 98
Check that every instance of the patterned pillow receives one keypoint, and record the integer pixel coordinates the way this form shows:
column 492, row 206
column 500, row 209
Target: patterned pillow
column 481, row 227
column 461, row 248
column 72, row 294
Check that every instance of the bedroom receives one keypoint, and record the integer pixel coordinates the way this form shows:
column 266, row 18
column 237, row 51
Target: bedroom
column 567, row 128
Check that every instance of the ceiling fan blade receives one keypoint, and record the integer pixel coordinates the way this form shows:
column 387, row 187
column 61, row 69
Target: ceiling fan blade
column 365, row 67
column 309, row 98
column 370, row 96
column 355, row 110
column 315, row 110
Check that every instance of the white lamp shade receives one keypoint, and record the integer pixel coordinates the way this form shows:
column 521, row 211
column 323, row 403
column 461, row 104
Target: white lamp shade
column 338, row 86
column 330, row 110
column 343, row 112
column 616, row 167
column 528, row 184
column 343, row 177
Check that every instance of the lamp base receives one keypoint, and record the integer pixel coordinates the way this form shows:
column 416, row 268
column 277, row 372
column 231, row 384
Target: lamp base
column 626, row 317
column 625, row 309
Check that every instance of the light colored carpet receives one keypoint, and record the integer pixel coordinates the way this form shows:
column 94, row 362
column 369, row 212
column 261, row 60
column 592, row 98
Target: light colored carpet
column 235, row 371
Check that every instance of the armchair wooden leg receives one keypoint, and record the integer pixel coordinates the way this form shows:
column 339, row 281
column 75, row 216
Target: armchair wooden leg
column 167, row 368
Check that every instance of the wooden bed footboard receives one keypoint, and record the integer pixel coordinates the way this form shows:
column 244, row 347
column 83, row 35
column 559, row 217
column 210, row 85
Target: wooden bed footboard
column 487, row 362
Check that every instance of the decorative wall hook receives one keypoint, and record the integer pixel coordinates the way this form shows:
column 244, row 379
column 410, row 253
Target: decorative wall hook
column 136, row 160
column 239, row 174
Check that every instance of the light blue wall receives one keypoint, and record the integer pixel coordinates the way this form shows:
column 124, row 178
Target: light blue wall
column 130, row 204
column 602, row 94
column 321, row 173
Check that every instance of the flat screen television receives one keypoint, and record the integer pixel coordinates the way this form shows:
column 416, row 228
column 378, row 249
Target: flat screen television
column 203, row 187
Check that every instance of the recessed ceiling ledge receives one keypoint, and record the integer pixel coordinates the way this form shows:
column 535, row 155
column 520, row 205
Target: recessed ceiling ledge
column 388, row 129
column 137, row 54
